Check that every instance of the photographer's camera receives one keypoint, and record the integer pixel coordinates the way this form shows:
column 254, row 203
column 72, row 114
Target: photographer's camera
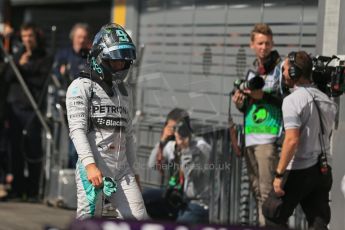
column 254, row 82
column 183, row 129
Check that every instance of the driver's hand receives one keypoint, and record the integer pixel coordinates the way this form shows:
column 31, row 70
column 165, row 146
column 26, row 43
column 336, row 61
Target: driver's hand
column 94, row 175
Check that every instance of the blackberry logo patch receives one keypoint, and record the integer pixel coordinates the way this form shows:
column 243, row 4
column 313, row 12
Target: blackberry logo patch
column 110, row 123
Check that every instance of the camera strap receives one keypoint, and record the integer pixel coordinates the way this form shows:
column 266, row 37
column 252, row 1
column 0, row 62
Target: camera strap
column 269, row 63
column 322, row 156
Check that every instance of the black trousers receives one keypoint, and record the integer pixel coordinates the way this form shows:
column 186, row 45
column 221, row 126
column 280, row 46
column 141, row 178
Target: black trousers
column 26, row 150
column 156, row 205
column 5, row 154
column 309, row 188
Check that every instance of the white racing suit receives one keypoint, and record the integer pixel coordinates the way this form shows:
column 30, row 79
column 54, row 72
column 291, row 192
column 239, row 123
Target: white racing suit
column 101, row 129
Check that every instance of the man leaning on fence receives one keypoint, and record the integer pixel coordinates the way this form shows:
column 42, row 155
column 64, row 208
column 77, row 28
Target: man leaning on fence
column 303, row 175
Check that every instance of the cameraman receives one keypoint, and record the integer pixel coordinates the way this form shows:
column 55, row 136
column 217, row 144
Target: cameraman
column 308, row 116
column 262, row 116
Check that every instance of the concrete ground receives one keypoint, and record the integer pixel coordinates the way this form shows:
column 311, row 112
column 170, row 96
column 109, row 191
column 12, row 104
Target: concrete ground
column 33, row 216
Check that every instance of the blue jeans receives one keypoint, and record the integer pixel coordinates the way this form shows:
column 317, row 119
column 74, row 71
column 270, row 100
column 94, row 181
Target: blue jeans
column 193, row 214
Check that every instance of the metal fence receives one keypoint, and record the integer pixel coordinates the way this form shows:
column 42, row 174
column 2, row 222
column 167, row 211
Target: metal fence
column 231, row 200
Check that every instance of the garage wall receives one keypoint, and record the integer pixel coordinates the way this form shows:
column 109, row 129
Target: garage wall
column 194, row 50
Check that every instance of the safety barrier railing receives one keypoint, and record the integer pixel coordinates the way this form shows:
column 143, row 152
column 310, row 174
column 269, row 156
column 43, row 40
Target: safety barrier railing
column 231, row 200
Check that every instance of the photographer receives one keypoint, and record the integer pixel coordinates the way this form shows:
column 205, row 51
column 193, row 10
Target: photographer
column 154, row 198
column 156, row 158
column 185, row 157
column 308, row 116
column 262, row 115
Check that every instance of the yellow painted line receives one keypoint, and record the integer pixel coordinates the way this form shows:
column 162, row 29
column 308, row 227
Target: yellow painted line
column 119, row 12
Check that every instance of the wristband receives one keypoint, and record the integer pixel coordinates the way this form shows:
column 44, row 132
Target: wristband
column 278, row 175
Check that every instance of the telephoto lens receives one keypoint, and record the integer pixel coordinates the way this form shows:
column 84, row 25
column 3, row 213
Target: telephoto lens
column 256, row 82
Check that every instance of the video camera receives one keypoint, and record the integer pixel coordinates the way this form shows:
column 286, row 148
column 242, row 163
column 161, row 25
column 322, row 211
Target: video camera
column 253, row 81
column 329, row 78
